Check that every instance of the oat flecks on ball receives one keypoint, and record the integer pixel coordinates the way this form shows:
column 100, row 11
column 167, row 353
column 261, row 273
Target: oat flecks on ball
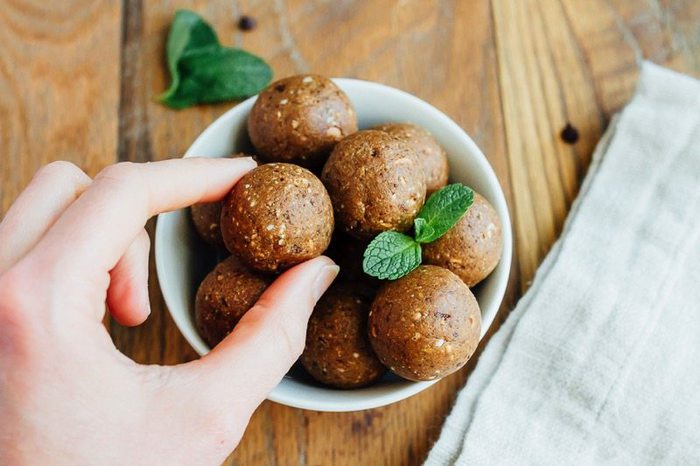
column 338, row 352
column 278, row 215
column 376, row 182
column 224, row 296
column 425, row 325
column 300, row 119
column 472, row 248
column 432, row 155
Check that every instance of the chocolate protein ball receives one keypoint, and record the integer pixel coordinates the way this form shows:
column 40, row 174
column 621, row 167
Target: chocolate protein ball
column 376, row 183
column 432, row 155
column 300, row 119
column 425, row 325
column 338, row 352
column 224, row 295
column 276, row 216
column 472, row 248
column 206, row 217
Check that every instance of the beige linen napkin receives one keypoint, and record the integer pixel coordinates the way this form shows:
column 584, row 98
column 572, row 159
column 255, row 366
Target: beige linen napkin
column 600, row 361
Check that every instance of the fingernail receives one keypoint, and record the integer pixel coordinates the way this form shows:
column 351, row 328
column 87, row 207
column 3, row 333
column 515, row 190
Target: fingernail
column 324, row 279
column 248, row 160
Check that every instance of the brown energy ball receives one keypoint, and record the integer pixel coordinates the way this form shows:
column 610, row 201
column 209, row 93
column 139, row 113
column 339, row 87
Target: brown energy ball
column 278, row 215
column 338, row 352
column 224, row 295
column 425, row 325
column 472, row 248
column 206, row 217
column 376, row 182
column 432, row 155
column 300, row 119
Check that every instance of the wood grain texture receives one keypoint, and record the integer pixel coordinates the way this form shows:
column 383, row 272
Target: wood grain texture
column 81, row 86
column 58, row 100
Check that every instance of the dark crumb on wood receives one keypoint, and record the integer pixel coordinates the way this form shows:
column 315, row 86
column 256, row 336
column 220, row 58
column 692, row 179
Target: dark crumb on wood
column 247, row 23
column 569, row 134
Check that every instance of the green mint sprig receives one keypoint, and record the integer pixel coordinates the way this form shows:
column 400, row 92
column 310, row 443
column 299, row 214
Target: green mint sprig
column 391, row 255
column 442, row 211
column 203, row 71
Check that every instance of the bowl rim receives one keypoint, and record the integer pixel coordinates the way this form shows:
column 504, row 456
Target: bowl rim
column 500, row 275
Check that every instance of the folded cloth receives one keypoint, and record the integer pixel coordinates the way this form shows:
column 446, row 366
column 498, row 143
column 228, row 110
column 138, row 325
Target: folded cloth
column 600, row 361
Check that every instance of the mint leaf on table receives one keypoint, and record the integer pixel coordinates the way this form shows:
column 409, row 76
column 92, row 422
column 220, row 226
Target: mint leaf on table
column 391, row 255
column 208, row 76
column 203, row 71
column 442, row 211
column 188, row 32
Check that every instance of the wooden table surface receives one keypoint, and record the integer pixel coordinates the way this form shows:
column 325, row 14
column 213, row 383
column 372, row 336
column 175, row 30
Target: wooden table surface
column 78, row 80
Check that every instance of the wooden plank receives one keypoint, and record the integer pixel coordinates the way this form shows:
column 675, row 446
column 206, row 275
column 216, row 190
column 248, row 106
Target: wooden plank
column 545, row 82
column 59, row 75
column 621, row 33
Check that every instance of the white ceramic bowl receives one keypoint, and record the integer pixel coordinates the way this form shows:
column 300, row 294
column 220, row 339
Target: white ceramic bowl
column 182, row 259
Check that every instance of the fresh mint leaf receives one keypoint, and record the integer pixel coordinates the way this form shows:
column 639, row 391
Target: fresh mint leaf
column 187, row 33
column 391, row 255
column 422, row 228
column 208, row 76
column 202, row 71
column 442, row 210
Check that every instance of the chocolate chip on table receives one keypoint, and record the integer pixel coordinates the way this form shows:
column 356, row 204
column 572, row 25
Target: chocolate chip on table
column 247, row 23
column 569, row 134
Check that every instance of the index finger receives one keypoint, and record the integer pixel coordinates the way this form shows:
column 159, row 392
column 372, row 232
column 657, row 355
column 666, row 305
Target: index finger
column 98, row 227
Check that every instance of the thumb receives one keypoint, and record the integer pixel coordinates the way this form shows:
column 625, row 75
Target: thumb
column 241, row 370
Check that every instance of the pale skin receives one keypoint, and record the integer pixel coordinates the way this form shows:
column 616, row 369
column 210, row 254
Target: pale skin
column 72, row 247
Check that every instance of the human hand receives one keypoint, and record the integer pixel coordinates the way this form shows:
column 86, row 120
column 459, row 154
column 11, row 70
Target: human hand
column 70, row 245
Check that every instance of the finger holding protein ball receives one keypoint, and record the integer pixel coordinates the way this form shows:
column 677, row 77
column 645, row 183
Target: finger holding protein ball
column 206, row 216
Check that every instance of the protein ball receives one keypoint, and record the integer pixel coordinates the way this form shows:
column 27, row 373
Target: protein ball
column 224, row 295
column 425, row 325
column 376, row 183
column 338, row 352
column 472, row 248
column 300, row 119
column 276, row 216
column 206, row 217
column 432, row 155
